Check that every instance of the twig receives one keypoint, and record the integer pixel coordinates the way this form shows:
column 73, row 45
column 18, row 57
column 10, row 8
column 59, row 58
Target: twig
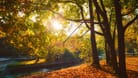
column 72, row 33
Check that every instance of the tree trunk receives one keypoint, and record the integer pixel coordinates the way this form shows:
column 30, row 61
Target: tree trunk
column 110, row 41
column 108, row 55
column 111, row 46
column 121, row 46
column 93, row 39
column 121, row 50
column 107, row 33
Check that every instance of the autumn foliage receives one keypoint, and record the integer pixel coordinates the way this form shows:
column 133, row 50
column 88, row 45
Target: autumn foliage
column 87, row 71
column 81, row 71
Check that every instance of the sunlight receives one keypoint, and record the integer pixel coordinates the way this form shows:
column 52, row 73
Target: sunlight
column 33, row 18
column 52, row 24
column 56, row 25
column 21, row 14
column 96, row 28
column 32, row 61
column 71, row 28
column 136, row 11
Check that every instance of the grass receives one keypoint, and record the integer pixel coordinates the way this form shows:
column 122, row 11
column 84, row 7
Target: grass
column 23, row 63
column 32, row 61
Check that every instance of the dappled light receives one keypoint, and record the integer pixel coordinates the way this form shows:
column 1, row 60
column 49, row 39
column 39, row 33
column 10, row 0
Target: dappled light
column 21, row 14
column 33, row 17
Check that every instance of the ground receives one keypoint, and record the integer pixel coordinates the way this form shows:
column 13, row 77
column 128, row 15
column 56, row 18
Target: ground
column 87, row 71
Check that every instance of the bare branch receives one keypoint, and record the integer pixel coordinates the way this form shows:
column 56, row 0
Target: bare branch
column 72, row 33
column 84, row 33
column 99, row 33
column 66, row 1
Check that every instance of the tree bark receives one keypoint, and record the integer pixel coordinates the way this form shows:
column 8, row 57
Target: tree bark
column 108, row 55
column 93, row 39
column 121, row 45
column 105, row 26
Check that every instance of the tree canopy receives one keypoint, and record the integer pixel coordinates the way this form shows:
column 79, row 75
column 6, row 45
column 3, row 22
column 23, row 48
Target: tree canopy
column 46, row 28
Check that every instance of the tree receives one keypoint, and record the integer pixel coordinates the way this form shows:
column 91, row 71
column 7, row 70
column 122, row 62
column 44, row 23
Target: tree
column 23, row 23
column 106, row 29
column 21, row 31
column 93, row 40
column 121, row 41
column 131, row 39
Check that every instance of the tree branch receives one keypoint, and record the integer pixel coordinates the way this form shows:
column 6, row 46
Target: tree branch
column 83, row 20
column 110, row 18
column 130, row 22
column 72, row 33
column 103, row 7
column 114, row 32
column 84, row 33
column 99, row 33
column 99, row 20
column 66, row 1
column 98, row 8
column 73, row 20
column 82, row 14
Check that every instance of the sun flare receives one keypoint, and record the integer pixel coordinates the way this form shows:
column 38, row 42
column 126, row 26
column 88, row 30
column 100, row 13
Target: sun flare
column 56, row 25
